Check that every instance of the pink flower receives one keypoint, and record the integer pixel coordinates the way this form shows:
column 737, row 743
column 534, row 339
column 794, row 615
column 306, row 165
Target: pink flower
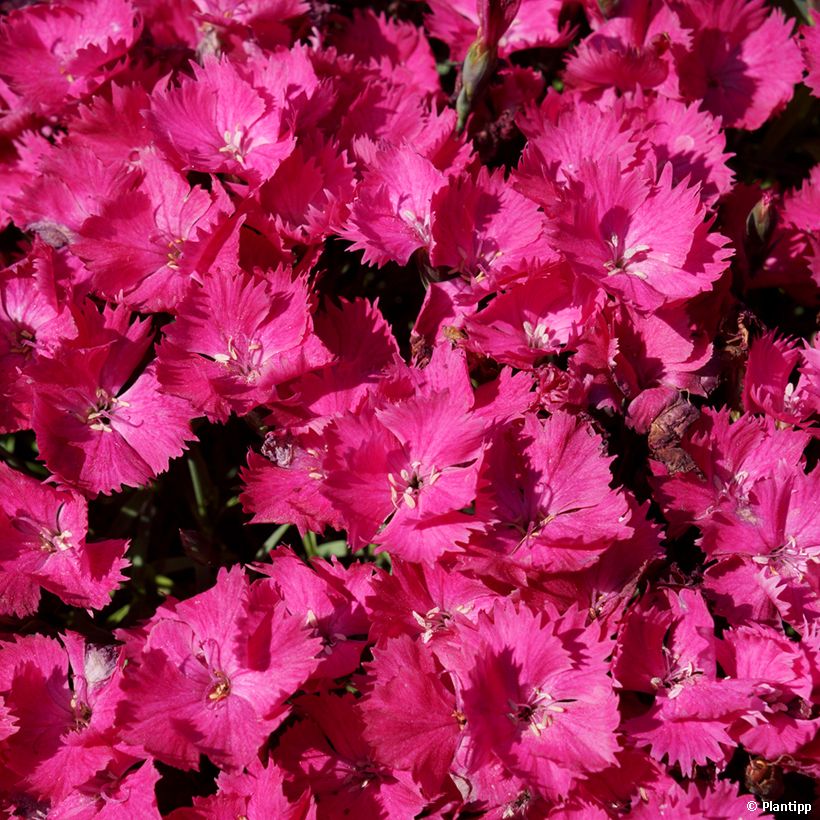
column 776, row 524
column 562, row 134
column 427, row 602
column 328, row 753
column 227, row 667
column 218, row 122
column 71, row 184
column 261, row 20
column 329, row 600
column 146, row 246
column 780, row 672
column 744, row 62
column 645, row 243
column 605, row 587
column 307, row 197
column 483, row 228
column 407, row 464
column 363, row 348
column 52, row 54
column 119, row 792
column 398, row 49
column 97, row 427
column 546, row 497
column 114, row 128
column 767, row 385
column 43, row 544
column 413, row 461
column 411, row 717
column 696, row 799
column 669, row 650
column 235, row 339
column 259, row 792
column 810, row 43
column 729, row 459
column 637, row 47
column 537, row 699
column 390, row 216
column 791, row 256
column 690, row 139
column 34, row 319
column 526, row 323
column 66, row 728
column 284, row 482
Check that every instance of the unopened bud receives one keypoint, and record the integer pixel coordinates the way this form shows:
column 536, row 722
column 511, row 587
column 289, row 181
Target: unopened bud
column 495, row 17
column 478, row 65
column 761, row 219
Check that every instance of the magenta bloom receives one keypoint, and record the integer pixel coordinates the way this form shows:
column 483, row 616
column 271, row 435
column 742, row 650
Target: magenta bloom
column 43, row 545
column 390, row 217
column 484, row 228
column 405, row 465
column 811, row 54
column 526, row 24
column 96, row 432
column 397, row 49
column 537, row 699
column 768, row 387
column 146, row 246
column 235, row 339
column 329, row 754
column 52, row 54
column 427, row 602
column 743, row 63
column 525, row 323
column 637, row 47
column 423, row 734
column 546, row 496
column 64, row 701
column 34, row 320
column 227, row 667
column 413, row 461
column 645, row 243
column 669, row 650
column 329, row 600
column 258, row 792
column 217, row 121
column 284, row 482
column 780, row 671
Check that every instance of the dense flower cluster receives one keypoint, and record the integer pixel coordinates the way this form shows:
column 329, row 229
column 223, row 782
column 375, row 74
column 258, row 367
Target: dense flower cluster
column 580, row 500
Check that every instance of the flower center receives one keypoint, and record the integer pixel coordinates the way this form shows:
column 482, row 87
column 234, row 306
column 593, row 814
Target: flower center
column 244, row 358
column 364, row 773
column 517, row 806
column 22, row 341
column 538, row 337
column 537, row 712
column 624, row 259
column 100, row 414
column 278, row 447
column 435, row 620
column 174, row 253
column 406, row 486
column 789, row 559
column 677, row 675
column 235, row 144
column 421, row 228
column 82, row 713
column 52, row 541
column 220, row 688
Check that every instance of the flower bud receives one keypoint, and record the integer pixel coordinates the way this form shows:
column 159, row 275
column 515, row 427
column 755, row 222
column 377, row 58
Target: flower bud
column 761, row 219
